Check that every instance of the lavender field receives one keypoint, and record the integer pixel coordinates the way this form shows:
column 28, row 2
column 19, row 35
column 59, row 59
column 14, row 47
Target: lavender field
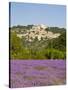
column 30, row 73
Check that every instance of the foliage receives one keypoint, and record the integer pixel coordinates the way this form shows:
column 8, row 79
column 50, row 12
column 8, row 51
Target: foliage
column 43, row 49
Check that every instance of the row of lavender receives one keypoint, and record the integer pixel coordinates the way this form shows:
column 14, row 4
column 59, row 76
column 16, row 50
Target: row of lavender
column 29, row 73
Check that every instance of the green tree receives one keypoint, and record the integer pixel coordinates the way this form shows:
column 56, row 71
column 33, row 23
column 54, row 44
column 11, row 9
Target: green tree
column 15, row 44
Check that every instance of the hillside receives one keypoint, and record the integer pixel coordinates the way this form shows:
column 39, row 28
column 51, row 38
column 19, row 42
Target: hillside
column 37, row 42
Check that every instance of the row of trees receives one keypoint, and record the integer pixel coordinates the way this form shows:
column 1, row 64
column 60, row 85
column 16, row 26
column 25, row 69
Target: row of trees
column 22, row 27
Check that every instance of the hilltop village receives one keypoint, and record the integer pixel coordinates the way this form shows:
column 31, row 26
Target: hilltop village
column 38, row 31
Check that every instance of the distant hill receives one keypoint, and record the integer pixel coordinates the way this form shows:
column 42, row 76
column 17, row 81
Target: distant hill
column 31, row 32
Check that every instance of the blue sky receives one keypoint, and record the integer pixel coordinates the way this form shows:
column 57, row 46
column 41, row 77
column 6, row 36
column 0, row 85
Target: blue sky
column 28, row 13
